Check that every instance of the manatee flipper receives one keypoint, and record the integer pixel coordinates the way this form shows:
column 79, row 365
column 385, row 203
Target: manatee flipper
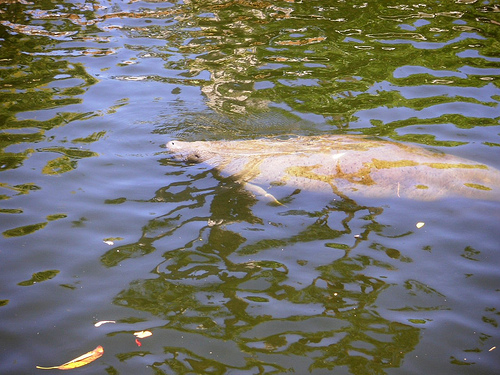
column 259, row 191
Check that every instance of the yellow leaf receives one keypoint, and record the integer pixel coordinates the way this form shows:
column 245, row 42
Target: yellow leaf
column 80, row 361
column 142, row 334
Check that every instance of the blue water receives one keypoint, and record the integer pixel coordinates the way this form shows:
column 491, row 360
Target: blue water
column 99, row 222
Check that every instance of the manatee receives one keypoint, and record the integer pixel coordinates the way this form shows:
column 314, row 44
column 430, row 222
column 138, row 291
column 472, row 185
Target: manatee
column 347, row 166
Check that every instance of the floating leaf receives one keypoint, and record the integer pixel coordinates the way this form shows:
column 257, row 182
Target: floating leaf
column 78, row 362
column 98, row 324
column 142, row 334
column 420, row 224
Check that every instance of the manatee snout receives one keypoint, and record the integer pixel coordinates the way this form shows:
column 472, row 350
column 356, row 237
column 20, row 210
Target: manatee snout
column 173, row 146
column 182, row 151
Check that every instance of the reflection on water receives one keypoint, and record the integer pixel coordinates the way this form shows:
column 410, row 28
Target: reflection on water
column 226, row 286
column 98, row 224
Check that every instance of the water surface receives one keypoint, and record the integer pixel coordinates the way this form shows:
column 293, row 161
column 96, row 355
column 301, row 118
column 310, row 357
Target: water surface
column 98, row 222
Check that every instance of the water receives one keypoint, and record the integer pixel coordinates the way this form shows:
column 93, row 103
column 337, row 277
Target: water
column 99, row 223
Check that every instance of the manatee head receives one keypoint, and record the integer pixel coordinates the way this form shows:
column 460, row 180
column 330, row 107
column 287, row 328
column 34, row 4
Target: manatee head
column 192, row 152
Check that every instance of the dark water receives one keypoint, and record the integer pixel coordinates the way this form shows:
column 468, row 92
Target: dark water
column 99, row 223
